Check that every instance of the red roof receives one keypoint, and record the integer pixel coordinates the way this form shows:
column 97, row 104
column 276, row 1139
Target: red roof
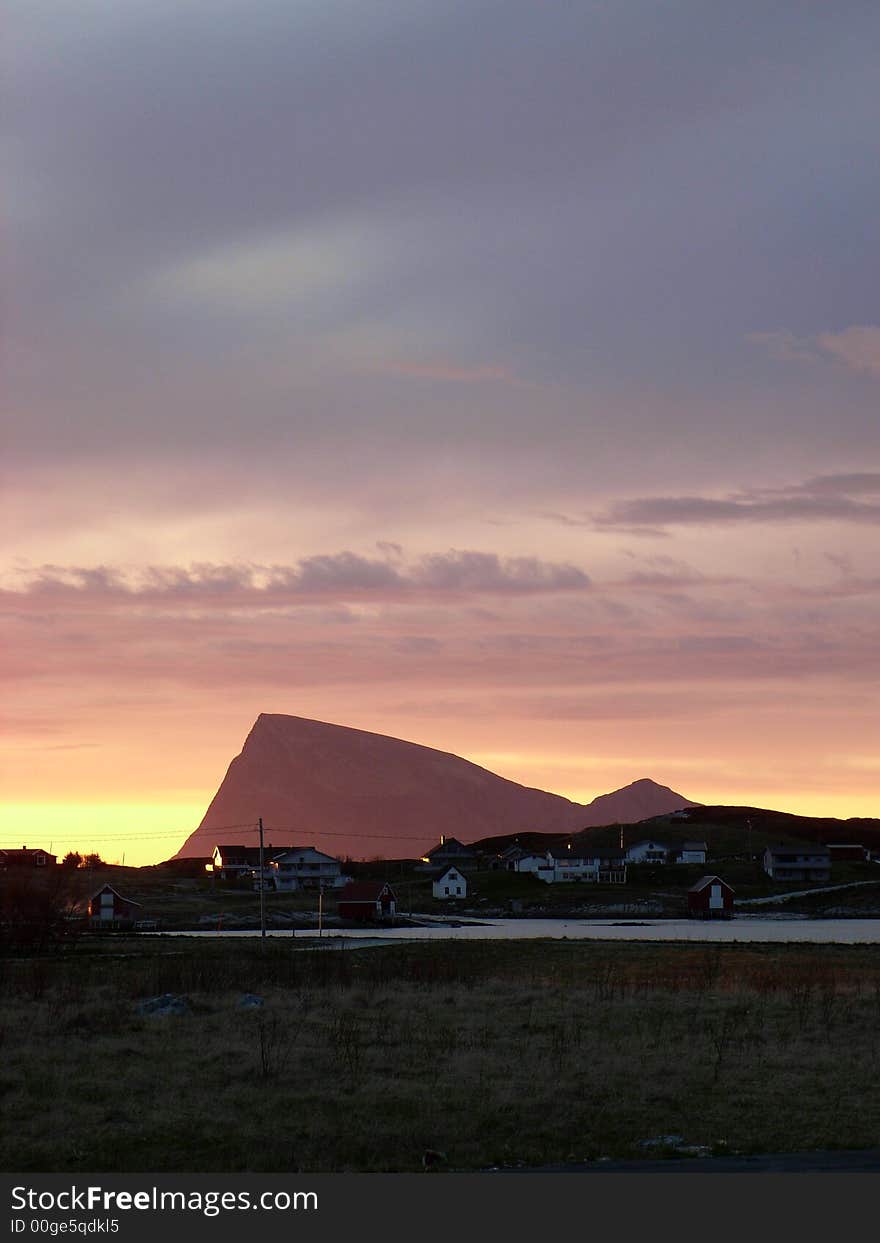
column 364, row 891
column 710, row 880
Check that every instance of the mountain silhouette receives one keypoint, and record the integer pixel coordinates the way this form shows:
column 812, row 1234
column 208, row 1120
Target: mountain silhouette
column 363, row 795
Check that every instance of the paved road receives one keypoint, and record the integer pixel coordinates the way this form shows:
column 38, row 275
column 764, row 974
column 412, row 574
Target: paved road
column 863, row 1161
column 801, row 893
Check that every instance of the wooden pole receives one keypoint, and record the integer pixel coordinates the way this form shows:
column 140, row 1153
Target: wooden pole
column 262, row 887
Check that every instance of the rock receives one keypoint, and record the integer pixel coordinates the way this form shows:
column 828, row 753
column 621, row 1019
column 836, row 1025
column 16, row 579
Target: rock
column 167, row 1003
column 662, row 1141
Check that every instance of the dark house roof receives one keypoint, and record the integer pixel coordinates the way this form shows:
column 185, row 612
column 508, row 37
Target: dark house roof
column 606, row 854
column 110, row 889
column 818, row 852
column 450, row 846
column 709, row 880
column 364, row 891
column 694, row 846
column 249, row 856
column 24, row 855
column 301, row 850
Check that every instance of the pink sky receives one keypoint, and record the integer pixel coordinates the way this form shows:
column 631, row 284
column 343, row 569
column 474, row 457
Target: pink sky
column 522, row 403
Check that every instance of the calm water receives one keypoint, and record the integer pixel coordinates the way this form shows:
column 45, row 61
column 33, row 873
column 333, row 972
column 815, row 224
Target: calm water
column 743, row 928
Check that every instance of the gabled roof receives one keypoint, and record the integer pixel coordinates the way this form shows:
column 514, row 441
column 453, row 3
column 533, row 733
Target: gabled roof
column 446, row 871
column 803, row 849
column 106, row 888
column 451, row 845
column 287, row 851
column 250, row 855
column 694, row 846
column 364, row 891
column 709, row 880
column 25, row 852
column 561, row 853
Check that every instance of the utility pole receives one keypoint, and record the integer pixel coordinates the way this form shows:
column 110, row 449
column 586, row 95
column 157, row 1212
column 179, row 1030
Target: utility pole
column 320, row 909
column 262, row 888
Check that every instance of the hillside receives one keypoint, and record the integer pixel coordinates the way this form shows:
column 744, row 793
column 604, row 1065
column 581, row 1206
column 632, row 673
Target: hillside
column 727, row 831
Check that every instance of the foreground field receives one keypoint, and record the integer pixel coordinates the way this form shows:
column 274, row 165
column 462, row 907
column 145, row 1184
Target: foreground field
column 487, row 1053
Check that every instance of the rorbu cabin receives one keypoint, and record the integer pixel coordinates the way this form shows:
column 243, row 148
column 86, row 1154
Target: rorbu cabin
column 107, row 909
column 710, row 898
column 367, row 901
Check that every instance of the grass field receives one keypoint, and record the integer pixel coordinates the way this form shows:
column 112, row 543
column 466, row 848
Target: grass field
column 491, row 1053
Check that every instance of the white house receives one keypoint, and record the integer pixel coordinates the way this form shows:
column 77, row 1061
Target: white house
column 242, row 862
column 692, row 852
column 647, row 852
column 305, row 867
column 507, row 859
column 450, row 884
column 583, row 864
column 531, row 861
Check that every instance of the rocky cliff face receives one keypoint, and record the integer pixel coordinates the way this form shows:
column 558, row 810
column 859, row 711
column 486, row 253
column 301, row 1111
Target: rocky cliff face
column 350, row 792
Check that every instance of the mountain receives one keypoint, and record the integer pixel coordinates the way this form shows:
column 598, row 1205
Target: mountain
column 355, row 793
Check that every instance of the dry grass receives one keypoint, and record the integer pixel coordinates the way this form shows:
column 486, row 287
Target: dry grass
column 491, row 1053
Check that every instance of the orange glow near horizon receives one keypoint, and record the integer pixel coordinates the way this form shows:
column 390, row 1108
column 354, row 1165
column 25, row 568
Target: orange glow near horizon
column 140, row 834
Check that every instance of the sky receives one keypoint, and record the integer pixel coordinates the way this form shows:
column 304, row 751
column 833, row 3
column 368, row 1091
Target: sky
column 494, row 374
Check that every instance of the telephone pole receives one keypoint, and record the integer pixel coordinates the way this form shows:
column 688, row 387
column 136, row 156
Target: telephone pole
column 262, row 887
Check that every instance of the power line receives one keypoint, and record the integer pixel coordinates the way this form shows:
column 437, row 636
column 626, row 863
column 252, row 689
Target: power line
column 384, row 837
column 129, row 837
column 249, row 828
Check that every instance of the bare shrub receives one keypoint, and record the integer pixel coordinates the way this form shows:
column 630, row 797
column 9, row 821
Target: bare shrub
column 274, row 1044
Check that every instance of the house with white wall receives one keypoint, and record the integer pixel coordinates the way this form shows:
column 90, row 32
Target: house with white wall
column 583, row 863
column 305, row 867
column 237, row 862
column 648, row 852
column 450, row 884
column 531, row 861
column 692, row 852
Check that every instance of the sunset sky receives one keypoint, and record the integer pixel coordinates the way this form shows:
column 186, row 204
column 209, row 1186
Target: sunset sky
column 495, row 374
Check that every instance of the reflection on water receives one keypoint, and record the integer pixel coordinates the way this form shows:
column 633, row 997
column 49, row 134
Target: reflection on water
column 742, row 928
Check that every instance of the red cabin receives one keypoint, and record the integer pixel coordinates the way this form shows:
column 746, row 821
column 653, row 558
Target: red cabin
column 107, row 908
column 710, row 898
column 367, row 900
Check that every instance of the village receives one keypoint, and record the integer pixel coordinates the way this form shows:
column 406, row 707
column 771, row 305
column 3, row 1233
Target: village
column 302, row 887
